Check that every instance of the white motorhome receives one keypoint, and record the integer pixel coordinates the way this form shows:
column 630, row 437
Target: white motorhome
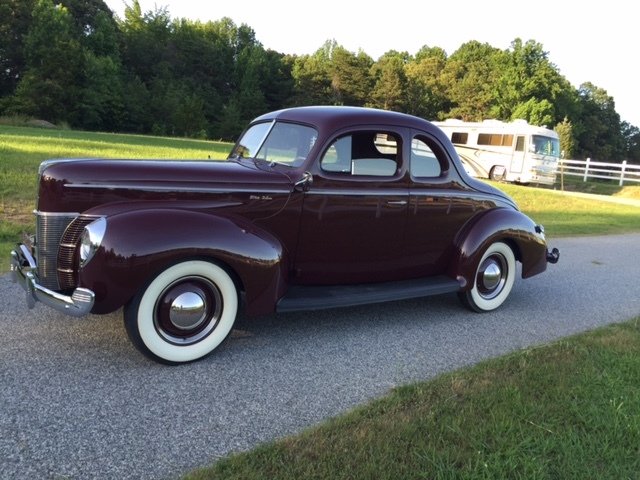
column 514, row 152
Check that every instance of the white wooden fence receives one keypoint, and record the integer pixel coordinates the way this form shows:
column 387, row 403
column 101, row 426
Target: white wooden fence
column 622, row 172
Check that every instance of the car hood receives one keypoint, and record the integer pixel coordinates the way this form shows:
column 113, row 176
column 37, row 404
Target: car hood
column 79, row 184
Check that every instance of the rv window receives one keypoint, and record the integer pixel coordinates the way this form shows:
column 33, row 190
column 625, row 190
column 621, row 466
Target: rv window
column 386, row 143
column 495, row 139
column 459, row 138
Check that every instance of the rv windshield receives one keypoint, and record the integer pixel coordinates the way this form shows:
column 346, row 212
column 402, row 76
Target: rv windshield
column 546, row 145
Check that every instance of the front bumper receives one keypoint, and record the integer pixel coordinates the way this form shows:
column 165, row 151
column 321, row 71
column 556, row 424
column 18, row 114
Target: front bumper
column 23, row 266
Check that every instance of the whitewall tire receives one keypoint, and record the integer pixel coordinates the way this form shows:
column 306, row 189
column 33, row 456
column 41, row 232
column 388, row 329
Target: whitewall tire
column 184, row 314
column 493, row 279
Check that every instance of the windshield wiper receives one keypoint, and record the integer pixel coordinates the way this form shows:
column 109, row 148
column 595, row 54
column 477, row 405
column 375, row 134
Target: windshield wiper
column 261, row 161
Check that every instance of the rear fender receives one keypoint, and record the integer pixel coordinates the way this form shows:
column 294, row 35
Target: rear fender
column 497, row 225
column 139, row 244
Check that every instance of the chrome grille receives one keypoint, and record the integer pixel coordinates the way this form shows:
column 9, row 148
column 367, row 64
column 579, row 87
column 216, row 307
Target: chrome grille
column 66, row 253
column 49, row 230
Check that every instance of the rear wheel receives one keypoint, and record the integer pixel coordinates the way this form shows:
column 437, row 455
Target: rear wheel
column 493, row 279
column 184, row 314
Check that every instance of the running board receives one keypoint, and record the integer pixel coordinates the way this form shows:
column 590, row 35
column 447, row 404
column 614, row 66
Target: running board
column 332, row 296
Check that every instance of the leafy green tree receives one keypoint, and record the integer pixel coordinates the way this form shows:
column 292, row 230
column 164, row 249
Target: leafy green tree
column 277, row 80
column 145, row 38
column 101, row 106
column 15, row 21
column 312, row 79
column 102, row 36
column 87, row 16
column 567, row 139
column 530, row 86
column 524, row 72
column 230, row 121
column 175, row 65
column 536, row 112
column 188, row 117
column 350, row 78
column 255, row 80
column 426, row 96
column 631, row 135
column 222, row 35
column 249, row 94
column 599, row 130
column 247, row 100
column 136, row 98
column 201, row 56
column 390, row 82
column 54, row 63
column 470, row 78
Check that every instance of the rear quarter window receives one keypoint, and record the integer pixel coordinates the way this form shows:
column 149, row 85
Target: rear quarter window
column 424, row 161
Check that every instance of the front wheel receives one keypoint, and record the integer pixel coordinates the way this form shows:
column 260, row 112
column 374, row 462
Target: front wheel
column 493, row 279
column 497, row 173
column 184, row 313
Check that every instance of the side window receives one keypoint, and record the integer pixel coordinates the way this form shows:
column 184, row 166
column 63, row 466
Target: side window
column 363, row 153
column 424, row 162
column 495, row 139
column 459, row 138
column 337, row 158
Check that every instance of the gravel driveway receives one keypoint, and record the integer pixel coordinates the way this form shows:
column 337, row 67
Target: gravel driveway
column 78, row 401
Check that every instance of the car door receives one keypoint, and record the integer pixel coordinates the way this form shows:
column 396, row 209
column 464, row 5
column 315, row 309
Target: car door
column 438, row 207
column 519, row 152
column 354, row 213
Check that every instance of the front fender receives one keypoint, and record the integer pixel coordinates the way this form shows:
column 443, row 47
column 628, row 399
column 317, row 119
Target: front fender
column 498, row 225
column 140, row 244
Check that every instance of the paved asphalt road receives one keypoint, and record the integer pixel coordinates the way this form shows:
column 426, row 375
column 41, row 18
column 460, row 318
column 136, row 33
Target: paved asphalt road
column 78, row 401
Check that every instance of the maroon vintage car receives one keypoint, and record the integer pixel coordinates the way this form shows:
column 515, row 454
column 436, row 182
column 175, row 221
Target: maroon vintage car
column 316, row 207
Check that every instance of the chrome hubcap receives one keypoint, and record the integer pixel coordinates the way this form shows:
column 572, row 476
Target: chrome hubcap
column 187, row 311
column 492, row 276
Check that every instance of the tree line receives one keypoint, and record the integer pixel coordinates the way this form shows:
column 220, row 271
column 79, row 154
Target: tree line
column 74, row 62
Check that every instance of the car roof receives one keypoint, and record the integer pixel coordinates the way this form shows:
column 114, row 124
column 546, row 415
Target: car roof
column 332, row 118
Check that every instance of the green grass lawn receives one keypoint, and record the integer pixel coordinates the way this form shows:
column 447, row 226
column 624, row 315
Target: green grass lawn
column 568, row 410
column 564, row 215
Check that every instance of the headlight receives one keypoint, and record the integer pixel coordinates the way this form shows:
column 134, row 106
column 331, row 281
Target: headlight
column 91, row 239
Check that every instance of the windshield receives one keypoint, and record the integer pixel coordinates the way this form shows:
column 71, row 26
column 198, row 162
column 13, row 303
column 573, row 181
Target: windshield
column 248, row 145
column 546, row 145
column 280, row 142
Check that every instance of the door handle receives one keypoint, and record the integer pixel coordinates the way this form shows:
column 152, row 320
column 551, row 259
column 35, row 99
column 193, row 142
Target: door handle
column 397, row 202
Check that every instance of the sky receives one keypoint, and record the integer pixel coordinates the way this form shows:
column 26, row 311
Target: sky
column 593, row 42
